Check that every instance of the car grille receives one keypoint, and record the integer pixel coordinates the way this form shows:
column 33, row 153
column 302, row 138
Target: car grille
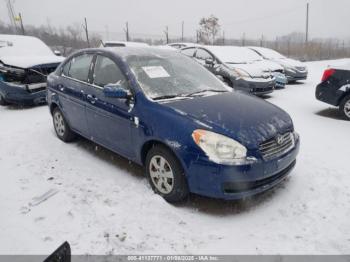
column 261, row 90
column 277, row 146
column 300, row 68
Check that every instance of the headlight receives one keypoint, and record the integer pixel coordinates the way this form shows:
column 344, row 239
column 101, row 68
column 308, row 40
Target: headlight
column 10, row 70
column 240, row 72
column 221, row 149
column 289, row 69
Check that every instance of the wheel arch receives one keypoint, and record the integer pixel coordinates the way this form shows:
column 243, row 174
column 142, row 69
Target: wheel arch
column 53, row 106
column 146, row 147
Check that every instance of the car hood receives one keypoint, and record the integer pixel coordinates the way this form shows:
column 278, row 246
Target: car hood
column 253, row 69
column 269, row 65
column 290, row 62
column 245, row 118
column 30, row 61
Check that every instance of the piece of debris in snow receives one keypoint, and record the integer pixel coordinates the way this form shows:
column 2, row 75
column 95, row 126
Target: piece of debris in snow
column 121, row 237
column 39, row 199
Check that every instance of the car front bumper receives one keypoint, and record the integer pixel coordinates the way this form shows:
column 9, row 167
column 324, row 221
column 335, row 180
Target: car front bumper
column 19, row 96
column 296, row 75
column 255, row 87
column 281, row 79
column 236, row 182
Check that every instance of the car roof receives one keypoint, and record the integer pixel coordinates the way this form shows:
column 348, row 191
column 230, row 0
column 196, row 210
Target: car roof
column 127, row 51
column 125, row 43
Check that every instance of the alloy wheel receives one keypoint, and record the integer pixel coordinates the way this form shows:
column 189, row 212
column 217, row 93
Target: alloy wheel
column 59, row 124
column 161, row 174
column 347, row 108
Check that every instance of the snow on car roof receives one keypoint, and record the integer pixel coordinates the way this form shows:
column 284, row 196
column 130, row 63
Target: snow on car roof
column 18, row 45
column 124, row 43
column 234, row 54
column 184, row 44
column 127, row 51
column 267, row 52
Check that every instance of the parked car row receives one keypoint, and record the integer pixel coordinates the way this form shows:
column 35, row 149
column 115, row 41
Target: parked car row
column 247, row 70
column 180, row 114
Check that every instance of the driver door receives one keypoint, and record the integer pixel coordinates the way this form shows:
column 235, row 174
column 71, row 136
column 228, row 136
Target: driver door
column 202, row 56
column 109, row 119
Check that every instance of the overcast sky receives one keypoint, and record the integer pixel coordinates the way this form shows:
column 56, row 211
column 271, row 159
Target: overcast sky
column 328, row 18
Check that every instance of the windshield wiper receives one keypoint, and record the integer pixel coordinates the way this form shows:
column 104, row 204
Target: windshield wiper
column 202, row 91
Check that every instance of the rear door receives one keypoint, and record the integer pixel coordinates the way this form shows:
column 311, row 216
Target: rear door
column 72, row 89
column 109, row 119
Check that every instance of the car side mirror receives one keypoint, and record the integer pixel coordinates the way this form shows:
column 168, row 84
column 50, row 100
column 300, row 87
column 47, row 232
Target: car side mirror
column 209, row 61
column 58, row 53
column 116, row 91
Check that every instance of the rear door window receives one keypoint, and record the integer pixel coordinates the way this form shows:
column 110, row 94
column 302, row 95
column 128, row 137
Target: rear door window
column 80, row 67
column 188, row 51
column 203, row 55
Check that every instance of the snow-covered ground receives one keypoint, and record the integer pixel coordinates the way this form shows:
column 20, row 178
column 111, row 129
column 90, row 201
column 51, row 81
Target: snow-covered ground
column 104, row 204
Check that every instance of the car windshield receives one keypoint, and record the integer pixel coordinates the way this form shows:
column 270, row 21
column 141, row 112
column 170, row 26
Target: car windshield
column 270, row 54
column 173, row 75
column 234, row 54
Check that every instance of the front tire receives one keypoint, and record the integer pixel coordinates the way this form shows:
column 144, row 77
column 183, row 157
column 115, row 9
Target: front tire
column 61, row 126
column 166, row 175
column 345, row 107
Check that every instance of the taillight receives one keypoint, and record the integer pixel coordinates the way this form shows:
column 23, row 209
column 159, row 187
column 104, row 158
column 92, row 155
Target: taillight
column 327, row 74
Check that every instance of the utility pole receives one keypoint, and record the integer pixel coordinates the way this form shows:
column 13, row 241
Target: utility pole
column 276, row 43
column 243, row 39
column 85, row 26
column 262, row 40
column 126, row 30
column 11, row 14
column 197, row 36
column 307, row 24
column 166, row 32
column 182, row 31
column 21, row 21
column 223, row 37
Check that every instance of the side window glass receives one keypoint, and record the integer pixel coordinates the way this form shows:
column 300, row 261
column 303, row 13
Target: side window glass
column 188, row 52
column 80, row 67
column 203, row 55
column 107, row 72
column 65, row 69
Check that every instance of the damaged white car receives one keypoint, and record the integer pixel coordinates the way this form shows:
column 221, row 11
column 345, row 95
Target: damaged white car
column 25, row 62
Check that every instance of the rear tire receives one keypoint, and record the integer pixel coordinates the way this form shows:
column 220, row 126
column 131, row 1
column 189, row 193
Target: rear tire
column 61, row 126
column 344, row 107
column 166, row 175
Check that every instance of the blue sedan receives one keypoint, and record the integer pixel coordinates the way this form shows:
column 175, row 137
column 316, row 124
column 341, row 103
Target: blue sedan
column 167, row 113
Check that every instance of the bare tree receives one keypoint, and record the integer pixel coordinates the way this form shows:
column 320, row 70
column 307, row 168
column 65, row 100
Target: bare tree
column 209, row 29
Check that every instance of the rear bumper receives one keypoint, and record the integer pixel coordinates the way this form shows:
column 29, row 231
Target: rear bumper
column 255, row 87
column 20, row 96
column 236, row 182
column 329, row 94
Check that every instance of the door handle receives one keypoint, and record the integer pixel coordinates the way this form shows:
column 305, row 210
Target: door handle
column 91, row 98
column 61, row 87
